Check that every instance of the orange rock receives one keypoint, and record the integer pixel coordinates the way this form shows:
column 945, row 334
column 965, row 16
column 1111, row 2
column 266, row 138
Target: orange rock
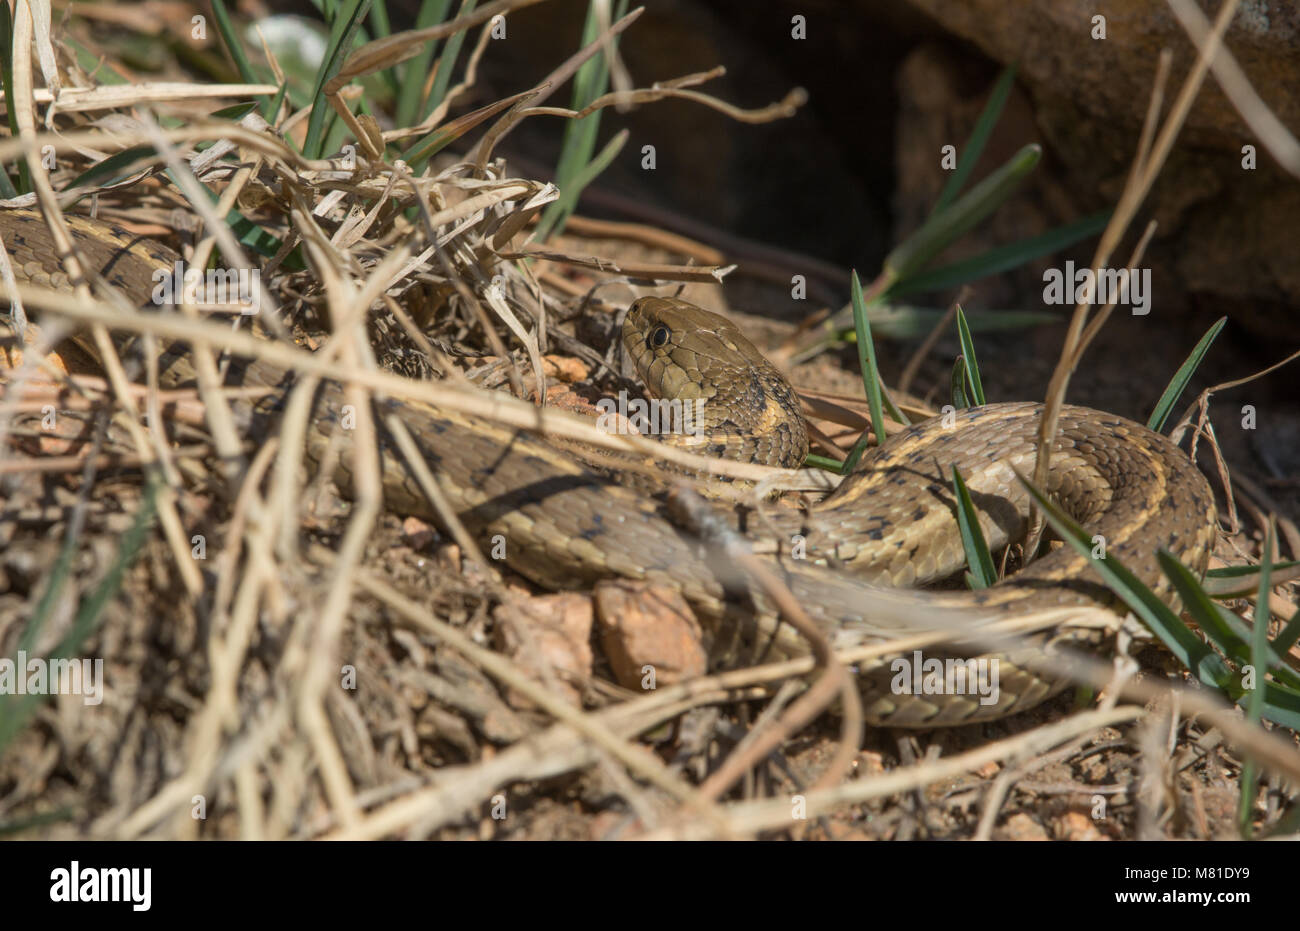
column 1021, row 827
column 870, row 763
column 548, row 636
column 417, row 533
column 11, row 356
column 649, row 625
column 564, row 398
column 1075, row 825
column 62, row 434
column 565, row 368
column 448, row 558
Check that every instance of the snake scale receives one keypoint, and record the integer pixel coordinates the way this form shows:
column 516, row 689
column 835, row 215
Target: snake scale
column 891, row 523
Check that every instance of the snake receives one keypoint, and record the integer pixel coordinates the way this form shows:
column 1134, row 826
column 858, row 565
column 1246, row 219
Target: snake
column 852, row 560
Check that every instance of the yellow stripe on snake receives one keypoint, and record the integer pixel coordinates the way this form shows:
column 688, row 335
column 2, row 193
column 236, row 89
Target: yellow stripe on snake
column 891, row 523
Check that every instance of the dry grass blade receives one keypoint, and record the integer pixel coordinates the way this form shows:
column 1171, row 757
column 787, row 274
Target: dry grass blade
column 398, row 47
column 782, row 109
column 643, row 270
column 482, row 152
column 86, row 99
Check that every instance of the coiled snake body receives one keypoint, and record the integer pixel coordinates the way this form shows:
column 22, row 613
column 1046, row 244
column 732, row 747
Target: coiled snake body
column 890, row 523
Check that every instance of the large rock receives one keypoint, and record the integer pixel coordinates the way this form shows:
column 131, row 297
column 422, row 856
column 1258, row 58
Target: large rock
column 1110, row 79
column 1225, row 233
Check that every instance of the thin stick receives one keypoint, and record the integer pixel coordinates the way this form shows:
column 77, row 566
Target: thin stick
column 1140, row 179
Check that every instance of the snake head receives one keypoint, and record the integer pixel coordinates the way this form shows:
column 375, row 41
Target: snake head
column 681, row 351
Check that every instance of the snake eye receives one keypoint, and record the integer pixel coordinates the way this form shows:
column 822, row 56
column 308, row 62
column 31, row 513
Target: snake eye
column 659, row 335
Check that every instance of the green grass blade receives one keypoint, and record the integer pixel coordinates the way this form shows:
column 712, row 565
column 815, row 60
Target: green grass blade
column 1196, row 602
column 380, row 27
column 103, row 70
column 870, row 374
column 814, row 461
column 1289, row 635
column 94, row 64
column 1184, row 374
column 1285, row 826
column 591, row 171
column 945, row 226
column 39, row 820
column 1281, row 705
column 1259, row 660
column 969, row 154
column 276, row 103
column 234, row 113
column 1236, row 581
column 972, row 364
column 343, row 30
column 1280, row 699
column 851, row 460
column 447, row 66
column 415, row 71
column 117, row 167
column 250, row 234
column 230, row 39
column 982, row 573
column 1224, row 629
column 1003, row 258
column 54, row 584
column 380, row 23
column 1204, row 663
column 591, row 80
column 890, row 407
column 15, row 710
column 430, row 145
column 24, row 181
column 113, row 169
column 957, row 384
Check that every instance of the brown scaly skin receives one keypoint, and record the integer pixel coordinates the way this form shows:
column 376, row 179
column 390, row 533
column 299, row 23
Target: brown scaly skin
column 568, row 524
column 749, row 412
